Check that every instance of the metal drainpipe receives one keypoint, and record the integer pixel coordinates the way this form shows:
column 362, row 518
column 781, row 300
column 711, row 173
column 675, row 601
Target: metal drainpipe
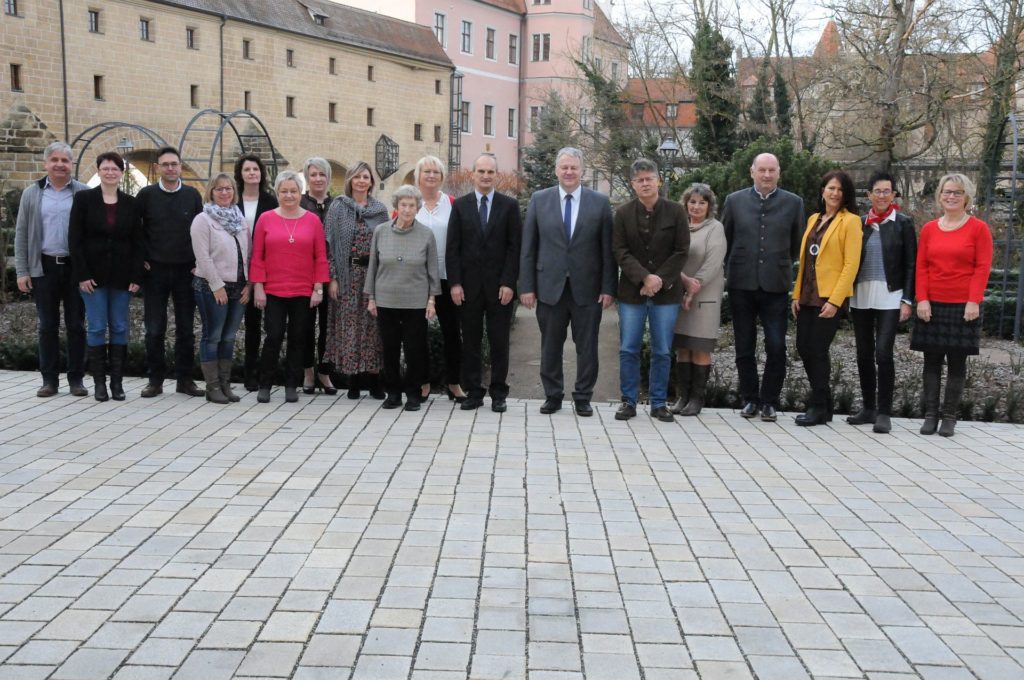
column 223, row 20
column 64, row 73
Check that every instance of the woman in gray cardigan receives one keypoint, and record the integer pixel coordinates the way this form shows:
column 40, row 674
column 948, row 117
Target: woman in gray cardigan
column 701, row 316
column 401, row 282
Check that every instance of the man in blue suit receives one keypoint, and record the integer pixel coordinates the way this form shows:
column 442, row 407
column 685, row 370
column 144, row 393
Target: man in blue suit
column 568, row 272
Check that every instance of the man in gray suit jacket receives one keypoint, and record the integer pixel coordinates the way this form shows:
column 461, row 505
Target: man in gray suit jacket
column 568, row 271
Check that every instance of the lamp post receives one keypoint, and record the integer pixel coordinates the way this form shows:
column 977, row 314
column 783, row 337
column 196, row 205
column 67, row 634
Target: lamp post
column 668, row 151
column 125, row 147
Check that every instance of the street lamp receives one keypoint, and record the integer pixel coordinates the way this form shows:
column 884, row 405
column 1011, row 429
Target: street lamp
column 125, row 147
column 668, row 151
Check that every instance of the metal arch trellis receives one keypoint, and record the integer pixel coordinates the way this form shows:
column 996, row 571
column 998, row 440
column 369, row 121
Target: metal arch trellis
column 90, row 134
column 246, row 140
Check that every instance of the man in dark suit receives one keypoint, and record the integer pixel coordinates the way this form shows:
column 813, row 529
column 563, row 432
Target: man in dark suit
column 482, row 263
column 568, row 272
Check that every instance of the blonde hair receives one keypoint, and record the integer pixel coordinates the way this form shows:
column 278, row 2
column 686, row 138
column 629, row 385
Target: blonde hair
column 970, row 190
column 424, row 162
column 212, row 184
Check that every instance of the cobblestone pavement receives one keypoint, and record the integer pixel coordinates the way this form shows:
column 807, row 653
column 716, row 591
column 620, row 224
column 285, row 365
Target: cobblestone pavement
column 169, row 537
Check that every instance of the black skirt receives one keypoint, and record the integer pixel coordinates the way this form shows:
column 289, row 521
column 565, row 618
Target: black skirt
column 947, row 331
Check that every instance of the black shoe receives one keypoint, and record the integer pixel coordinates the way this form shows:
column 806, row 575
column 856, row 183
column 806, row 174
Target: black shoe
column 78, row 388
column 551, row 405
column 749, row 410
column 392, row 401
column 583, row 408
column 948, row 426
column 327, row 388
column 930, row 424
column 455, row 397
column 626, row 411
column 863, row 417
column 471, row 403
column 291, row 395
column 768, row 413
column 263, row 395
column 413, row 404
column 376, row 389
column 498, row 404
column 813, row 416
column 251, row 381
column 47, row 390
column 308, row 389
column 663, row 414
column 882, row 424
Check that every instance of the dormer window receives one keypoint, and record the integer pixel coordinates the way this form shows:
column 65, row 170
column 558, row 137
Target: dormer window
column 319, row 19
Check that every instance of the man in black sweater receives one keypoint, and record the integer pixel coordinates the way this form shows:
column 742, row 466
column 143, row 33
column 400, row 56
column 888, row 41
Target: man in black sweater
column 763, row 227
column 167, row 209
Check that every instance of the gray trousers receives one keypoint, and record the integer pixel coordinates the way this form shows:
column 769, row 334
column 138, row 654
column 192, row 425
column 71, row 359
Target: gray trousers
column 554, row 320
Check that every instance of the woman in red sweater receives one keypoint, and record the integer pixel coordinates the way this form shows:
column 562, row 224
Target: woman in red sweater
column 954, row 257
column 288, row 270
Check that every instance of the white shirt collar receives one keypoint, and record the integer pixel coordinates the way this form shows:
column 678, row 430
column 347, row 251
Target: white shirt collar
column 160, row 183
column 562, row 193
column 490, row 196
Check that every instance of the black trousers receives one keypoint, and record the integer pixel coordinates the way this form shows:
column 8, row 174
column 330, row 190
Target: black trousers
column 253, row 336
column 448, row 319
column 54, row 288
column 814, row 337
column 875, row 333
column 403, row 329
column 499, row 324
column 284, row 315
column 747, row 306
column 554, row 320
column 314, row 341
column 173, row 281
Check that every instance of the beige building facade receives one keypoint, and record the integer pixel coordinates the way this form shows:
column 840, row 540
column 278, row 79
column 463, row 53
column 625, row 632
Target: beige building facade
column 323, row 79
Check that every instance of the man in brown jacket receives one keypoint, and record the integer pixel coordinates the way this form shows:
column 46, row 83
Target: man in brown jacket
column 650, row 238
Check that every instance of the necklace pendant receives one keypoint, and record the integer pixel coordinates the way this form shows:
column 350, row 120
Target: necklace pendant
column 291, row 239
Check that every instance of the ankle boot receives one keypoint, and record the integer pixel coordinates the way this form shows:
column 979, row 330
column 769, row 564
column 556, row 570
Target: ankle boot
column 930, row 382
column 354, row 380
column 376, row 388
column 698, row 386
column 211, row 374
column 224, row 372
column 118, row 358
column 951, row 404
column 684, row 376
column 98, row 368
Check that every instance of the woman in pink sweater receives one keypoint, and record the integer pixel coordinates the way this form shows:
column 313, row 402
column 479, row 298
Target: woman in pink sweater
column 288, row 272
column 954, row 257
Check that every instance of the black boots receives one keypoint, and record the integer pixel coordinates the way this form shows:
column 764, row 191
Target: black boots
column 118, row 358
column 951, row 404
column 931, row 382
column 698, row 386
column 684, row 372
column 98, row 367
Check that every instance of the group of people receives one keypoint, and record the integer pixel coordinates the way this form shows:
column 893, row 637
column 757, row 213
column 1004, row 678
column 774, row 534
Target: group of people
column 352, row 284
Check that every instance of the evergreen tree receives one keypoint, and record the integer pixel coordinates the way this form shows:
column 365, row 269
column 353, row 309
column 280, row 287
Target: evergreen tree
column 760, row 111
column 554, row 131
column 783, row 115
column 714, row 84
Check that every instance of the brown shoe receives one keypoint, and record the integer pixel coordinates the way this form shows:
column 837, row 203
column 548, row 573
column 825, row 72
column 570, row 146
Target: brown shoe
column 47, row 390
column 152, row 390
column 186, row 386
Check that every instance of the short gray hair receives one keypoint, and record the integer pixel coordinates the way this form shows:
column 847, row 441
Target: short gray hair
column 642, row 165
column 406, row 191
column 486, row 155
column 320, row 164
column 287, row 176
column 957, row 178
column 424, row 162
column 57, row 147
column 569, row 151
column 705, row 192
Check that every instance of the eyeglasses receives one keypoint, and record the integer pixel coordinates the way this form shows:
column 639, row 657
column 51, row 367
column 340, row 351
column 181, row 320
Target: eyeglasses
column 223, row 189
column 172, row 164
column 881, row 192
column 956, row 193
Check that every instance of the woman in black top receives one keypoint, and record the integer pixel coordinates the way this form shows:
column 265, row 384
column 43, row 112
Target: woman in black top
column 317, row 200
column 105, row 243
column 254, row 199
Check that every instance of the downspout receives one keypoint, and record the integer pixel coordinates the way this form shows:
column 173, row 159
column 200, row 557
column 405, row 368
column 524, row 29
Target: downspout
column 522, row 92
column 223, row 20
column 64, row 73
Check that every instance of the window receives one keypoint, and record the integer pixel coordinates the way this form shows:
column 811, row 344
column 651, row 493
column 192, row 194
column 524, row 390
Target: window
column 437, row 134
column 16, row 78
column 511, row 123
column 193, row 96
column 465, row 124
column 332, row 66
column 369, row 73
column 97, row 88
column 584, row 119
column 417, row 132
column 190, row 38
column 332, row 112
column 11, row 7
column 489, row 47
column 289, row 107
column 671, row 111
column 289, row 58
column 467, row 37
column 542, row 2
column 615, row 70
column 488, row 120
column 535, row 115
column 369, row 117
column 513, row 48
column 637, row 112
column 597, row 64
column 247, row 100
column 541, row 47
column 319, row 19
column 94, row 21
column 585, row 47
column 246, row 49
column 587, row 4
column 439, row 32
column 145, row 32
column 437, row 87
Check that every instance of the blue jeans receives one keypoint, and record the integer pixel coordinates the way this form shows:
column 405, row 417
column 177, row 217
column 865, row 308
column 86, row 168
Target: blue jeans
column 106, row 308
column 220, row 322
column 632, row 319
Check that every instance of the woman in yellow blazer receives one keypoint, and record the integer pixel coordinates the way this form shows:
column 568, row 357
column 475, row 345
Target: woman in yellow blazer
column 829, row 260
